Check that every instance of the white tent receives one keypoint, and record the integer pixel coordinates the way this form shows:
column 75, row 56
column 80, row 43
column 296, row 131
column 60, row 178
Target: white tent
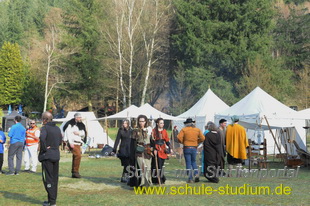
column 284, row 121
column 152, row 113
column 133, row 112
column 125, row 114
column 203, row 111
column 95, row 131
column 305, row 112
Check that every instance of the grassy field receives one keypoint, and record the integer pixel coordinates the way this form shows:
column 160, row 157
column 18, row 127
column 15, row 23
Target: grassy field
column 100, row 186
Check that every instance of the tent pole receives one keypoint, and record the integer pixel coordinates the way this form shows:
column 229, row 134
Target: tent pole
column 106, row 128
column 274, row 138
column 274, row 147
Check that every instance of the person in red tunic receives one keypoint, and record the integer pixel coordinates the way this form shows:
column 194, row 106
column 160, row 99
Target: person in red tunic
column 161, row 151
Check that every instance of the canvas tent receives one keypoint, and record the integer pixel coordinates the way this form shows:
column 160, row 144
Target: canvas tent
column 124, row 114
column 133, row 112
column 152, row 113
column 8, row 121
column 203, row 111
column 305, row 112
column 285, row 122
column 95, row 131
column 306, row 115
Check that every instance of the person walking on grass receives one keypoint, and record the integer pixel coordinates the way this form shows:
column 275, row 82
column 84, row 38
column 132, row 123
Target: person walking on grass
column 123, row 140
column 76, row 134
column 212, row 149
column 190, row 137
column 17, row 134
column 161, row 151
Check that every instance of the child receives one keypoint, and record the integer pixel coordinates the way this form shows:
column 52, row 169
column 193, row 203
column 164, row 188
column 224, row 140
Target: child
column 2, row 141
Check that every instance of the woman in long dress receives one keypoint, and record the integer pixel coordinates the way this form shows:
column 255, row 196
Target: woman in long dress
column 124, row 139
column 212, row 153
column 161, row 151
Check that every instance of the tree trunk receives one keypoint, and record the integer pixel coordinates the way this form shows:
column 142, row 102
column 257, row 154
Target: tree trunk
column 49, row 55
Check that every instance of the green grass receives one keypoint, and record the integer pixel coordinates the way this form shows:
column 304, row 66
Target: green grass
column 100, row 186
column 112, row 132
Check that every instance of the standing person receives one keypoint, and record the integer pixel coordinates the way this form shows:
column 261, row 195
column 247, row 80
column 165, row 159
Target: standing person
column 124, row 138
column 190, row 137
column 31, row 147
column 49, row 156
column 222, row 132
column 212, row 153
column 202, row 152
column 2, row 141
column 75, row 132
column 17, row 134
column 236, row 143
column 174, row 138
column 142, row 152
column 161, row 151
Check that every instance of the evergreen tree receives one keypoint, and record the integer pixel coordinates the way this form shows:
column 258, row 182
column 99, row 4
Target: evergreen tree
column 292, row 36
column 84, row 65
column 215, row 39
column 4, row 22
column 11, row 74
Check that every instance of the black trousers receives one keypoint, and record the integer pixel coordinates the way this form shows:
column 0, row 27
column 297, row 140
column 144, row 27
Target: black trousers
column 50, row 172
column 1, row 161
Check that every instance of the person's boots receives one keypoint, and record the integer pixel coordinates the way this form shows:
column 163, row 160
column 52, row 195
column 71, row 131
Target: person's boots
column 123, row 178
column 76, row 175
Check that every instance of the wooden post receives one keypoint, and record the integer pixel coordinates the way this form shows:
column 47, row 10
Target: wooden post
column 250, row 153
column 274, row 138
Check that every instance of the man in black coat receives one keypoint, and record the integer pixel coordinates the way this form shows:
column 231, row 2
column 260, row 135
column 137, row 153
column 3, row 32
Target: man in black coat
column 49, row 156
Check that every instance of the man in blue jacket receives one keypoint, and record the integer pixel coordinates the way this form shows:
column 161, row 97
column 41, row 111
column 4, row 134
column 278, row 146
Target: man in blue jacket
column 17, row 134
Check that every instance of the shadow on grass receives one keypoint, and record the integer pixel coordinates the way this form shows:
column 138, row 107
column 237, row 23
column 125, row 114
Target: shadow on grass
column 21, row 197
column 112, row 181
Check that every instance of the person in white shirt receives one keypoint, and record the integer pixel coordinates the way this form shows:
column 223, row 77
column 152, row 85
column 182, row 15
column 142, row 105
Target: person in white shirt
column 76, row 134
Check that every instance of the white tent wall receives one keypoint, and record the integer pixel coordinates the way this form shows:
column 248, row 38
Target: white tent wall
column 277, row 124
column 133, row 112
column 203, row 110
column 200, row 122
column 124, row 114
column 94, row 129
column 258, row 104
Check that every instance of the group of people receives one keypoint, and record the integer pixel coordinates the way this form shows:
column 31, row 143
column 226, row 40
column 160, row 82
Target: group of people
column 47, row 140
column 143, row 150
column 217, row 142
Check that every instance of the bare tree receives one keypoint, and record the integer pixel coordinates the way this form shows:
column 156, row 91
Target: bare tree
column 53, row 55
column 131, row 27
column 133, row 33
column 151, row 41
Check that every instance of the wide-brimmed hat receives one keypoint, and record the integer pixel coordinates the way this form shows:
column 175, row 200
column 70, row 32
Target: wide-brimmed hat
column 189, row 120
